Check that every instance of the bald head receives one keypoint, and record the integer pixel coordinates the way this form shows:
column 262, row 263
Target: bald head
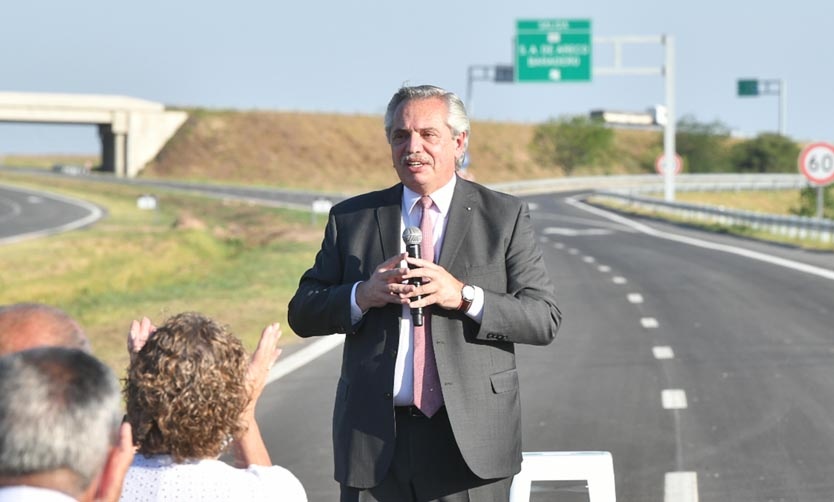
column 27, row 325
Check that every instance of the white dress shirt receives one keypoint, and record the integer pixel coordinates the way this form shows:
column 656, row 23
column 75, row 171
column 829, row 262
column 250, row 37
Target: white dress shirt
column 411, row 214
column 32, row 494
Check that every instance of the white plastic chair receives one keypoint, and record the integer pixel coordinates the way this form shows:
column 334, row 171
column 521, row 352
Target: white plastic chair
column 595, row 467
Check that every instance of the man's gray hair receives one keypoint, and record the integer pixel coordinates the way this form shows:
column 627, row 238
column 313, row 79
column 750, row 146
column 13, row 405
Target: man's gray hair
column 457, row 120
column 60, row 408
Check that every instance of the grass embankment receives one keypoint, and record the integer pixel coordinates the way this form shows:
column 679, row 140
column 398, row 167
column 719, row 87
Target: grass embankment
column 236, row 263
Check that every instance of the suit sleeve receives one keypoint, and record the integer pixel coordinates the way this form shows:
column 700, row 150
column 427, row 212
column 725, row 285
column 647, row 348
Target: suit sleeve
column 526, row 311
column 321, row 305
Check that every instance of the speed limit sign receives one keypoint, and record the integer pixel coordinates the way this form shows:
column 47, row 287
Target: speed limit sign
column 816, row 162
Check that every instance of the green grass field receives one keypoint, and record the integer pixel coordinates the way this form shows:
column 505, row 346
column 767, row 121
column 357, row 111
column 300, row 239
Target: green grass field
column 237, row 263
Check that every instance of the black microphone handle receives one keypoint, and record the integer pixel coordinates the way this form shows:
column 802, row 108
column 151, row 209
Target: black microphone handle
column 416, row 313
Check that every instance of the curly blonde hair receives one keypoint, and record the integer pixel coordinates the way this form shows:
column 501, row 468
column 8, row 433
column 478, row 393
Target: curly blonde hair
column 186, row 389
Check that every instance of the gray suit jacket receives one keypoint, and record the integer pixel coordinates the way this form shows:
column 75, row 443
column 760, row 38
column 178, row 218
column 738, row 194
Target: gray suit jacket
column 489, row 243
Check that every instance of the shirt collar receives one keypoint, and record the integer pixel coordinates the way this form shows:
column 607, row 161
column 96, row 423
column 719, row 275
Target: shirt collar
column 442, row 197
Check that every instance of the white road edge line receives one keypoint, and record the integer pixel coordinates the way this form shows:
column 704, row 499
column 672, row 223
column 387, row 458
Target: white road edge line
column 755, row 255
column 681, row 486
column 663, row 352
column 287, row 365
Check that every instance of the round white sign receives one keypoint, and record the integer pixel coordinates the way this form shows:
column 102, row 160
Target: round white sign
column 659, row 164
column 816, row 162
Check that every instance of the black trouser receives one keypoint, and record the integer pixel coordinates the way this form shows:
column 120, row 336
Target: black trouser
column 428, row 466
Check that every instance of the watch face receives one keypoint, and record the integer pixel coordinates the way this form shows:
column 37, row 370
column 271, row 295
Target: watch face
column 468, row 293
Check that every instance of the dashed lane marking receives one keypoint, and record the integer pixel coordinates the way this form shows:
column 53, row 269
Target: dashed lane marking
column 663, row 352
column 673, row 399
column 575, row 232
column 635, row 298
column 649, row 322
column 681, row 486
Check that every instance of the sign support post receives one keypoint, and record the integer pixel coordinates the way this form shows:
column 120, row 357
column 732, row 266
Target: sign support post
column 669, row 129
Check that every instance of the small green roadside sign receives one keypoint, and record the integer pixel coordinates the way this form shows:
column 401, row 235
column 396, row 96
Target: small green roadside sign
column 748, row 87
column 553, row 50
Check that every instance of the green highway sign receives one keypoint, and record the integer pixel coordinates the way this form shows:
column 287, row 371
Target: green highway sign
column 748, row 87
column 553, row 50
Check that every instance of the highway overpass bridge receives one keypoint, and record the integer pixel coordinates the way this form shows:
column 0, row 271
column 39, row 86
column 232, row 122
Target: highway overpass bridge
column 132, row 130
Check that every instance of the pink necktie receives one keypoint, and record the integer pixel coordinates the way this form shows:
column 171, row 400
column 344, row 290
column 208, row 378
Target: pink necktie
column 427, row 395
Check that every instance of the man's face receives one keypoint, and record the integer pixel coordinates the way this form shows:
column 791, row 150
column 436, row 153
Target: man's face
column 422, row 146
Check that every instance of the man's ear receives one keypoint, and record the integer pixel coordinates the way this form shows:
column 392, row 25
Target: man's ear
column 115, row 468
column 460, row 144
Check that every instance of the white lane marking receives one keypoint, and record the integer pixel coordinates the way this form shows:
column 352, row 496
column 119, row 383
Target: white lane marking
column 673, row 399
column 573, row 251
column 532, row 206
column 585, row 222
column 558, row 245
column 291, row 363
column 588, row 259
column 681, row 486
column 649, row 322
column 619, row 280
column 753, row 255
column 573, row 232
column 635, row 298
column 663, row 352
column 604, row 268
column 34, row 199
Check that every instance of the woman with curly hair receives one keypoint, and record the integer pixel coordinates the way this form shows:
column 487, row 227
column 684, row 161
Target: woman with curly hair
column 191, row 392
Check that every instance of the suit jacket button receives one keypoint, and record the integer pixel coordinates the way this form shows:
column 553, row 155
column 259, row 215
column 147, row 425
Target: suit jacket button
column 388, row 396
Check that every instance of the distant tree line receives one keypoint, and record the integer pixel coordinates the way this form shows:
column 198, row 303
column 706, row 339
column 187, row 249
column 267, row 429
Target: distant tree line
column 578, row 143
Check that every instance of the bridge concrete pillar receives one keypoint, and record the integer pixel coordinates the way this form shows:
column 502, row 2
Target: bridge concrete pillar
column 108, row 148
column 113, row 150
column 114, row 144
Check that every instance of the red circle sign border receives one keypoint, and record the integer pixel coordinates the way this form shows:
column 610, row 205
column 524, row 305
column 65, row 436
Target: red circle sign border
column 659, row 160
column 801, row 162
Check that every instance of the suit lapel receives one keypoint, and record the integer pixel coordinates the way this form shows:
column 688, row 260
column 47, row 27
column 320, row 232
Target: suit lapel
column 459, row 219
column 388, row 218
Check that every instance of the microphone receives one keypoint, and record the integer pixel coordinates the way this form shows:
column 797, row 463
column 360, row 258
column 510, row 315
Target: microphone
column 413, row 238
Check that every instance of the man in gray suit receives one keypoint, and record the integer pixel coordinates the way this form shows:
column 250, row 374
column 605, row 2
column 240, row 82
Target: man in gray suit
column 431, row 411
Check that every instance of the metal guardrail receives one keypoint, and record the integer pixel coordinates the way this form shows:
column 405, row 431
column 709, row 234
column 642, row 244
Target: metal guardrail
column 654, row 183
column 792, row 227
column 628, row 188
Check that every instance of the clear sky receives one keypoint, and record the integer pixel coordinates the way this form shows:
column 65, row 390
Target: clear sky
column 349, row 57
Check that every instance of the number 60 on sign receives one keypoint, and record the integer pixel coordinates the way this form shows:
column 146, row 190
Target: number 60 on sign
column 816, row 162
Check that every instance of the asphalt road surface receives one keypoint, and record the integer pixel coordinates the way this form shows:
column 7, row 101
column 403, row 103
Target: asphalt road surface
column 28, row 214
column 703, row 363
